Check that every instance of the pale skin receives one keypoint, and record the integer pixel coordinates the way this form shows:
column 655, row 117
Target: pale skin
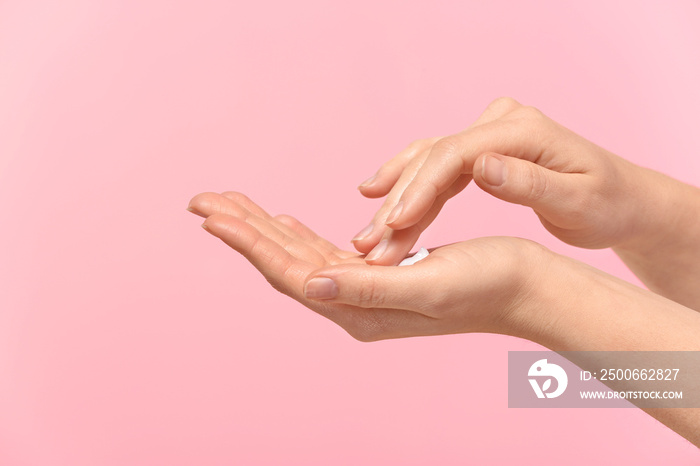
column 513, row 286
column 583, row 194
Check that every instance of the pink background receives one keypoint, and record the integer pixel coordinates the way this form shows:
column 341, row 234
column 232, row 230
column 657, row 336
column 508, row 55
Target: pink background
column 129, row 336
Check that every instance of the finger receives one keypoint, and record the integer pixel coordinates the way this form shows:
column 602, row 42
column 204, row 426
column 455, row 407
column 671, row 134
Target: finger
column 284, row 236
column 454, row 156
column 240, row 206
column 368, row 238
column 231, row 203
column 551, row 194
column 307, row 234
column 208, row 203
column 285, row 223
column 244, row 201
column 388, row 174
column 405, row 241
column 375, row 287
column 497, row 109
column 396, row 244
column 284, row 272
column 380, row 184
column 294, row 244
column 299, row 228
column 288, row 275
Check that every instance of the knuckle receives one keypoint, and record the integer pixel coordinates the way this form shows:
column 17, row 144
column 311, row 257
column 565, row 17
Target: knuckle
column 237, row 197
column 411, row 151
column 369, row 294
column 538, row 184
column 445, row 147
column 504, row 104
column 286, row 219
column 531, row 113
column 420, row 145
column 445, row 153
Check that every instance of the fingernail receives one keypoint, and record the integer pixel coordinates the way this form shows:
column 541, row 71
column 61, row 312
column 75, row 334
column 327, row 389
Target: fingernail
column 205, row 227
column 378, row 251
column 494, row 171
column 321, row 288
column 190, row 209
column 394, row 214
column 364, row 233
column 368, row 181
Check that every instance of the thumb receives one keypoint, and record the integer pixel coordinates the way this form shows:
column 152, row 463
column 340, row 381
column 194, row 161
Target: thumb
column 523, row 182
column 372, row 286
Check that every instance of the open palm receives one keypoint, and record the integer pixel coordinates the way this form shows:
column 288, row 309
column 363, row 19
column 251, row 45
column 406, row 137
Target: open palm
column 454, row 290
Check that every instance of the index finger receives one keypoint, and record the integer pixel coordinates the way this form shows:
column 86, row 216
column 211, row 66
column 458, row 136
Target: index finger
column 454, row 156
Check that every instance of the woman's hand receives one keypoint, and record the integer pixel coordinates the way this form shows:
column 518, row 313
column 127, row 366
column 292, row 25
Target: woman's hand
column 496, row 285
column 481, row 285
column 583, row 194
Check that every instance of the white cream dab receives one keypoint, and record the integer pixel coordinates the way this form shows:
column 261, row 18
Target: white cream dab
column 420, row 255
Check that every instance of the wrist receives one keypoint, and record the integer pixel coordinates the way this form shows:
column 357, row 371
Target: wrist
column 574, row 307
column 558, row 304
column 661, row 210
column 663, row 253
column 536, row 285
column 580, row 308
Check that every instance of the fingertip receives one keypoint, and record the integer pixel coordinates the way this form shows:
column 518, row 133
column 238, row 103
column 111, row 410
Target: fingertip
column 210, row 227
column 368, row 182
column 364, row 233
column 380, row 184
column 408, row 212
column 202, row 202
column 374, row 191
column 216, row 222
column 390, row 252
column 377, row 253
column 395, row 213
column 194, row 211
column 364, row 243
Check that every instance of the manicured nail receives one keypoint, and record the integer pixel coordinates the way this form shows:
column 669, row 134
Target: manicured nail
column 321, row 288
column 378, row 251
column 190, row 209
column 368, row 181
column 494, row 171
column 394, row 214
column 364, row 233
column 205, row 227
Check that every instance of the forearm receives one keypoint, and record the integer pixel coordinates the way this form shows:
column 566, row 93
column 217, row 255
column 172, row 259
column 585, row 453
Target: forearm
column 581, row 308
column 664, row 245
column 584, row 309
